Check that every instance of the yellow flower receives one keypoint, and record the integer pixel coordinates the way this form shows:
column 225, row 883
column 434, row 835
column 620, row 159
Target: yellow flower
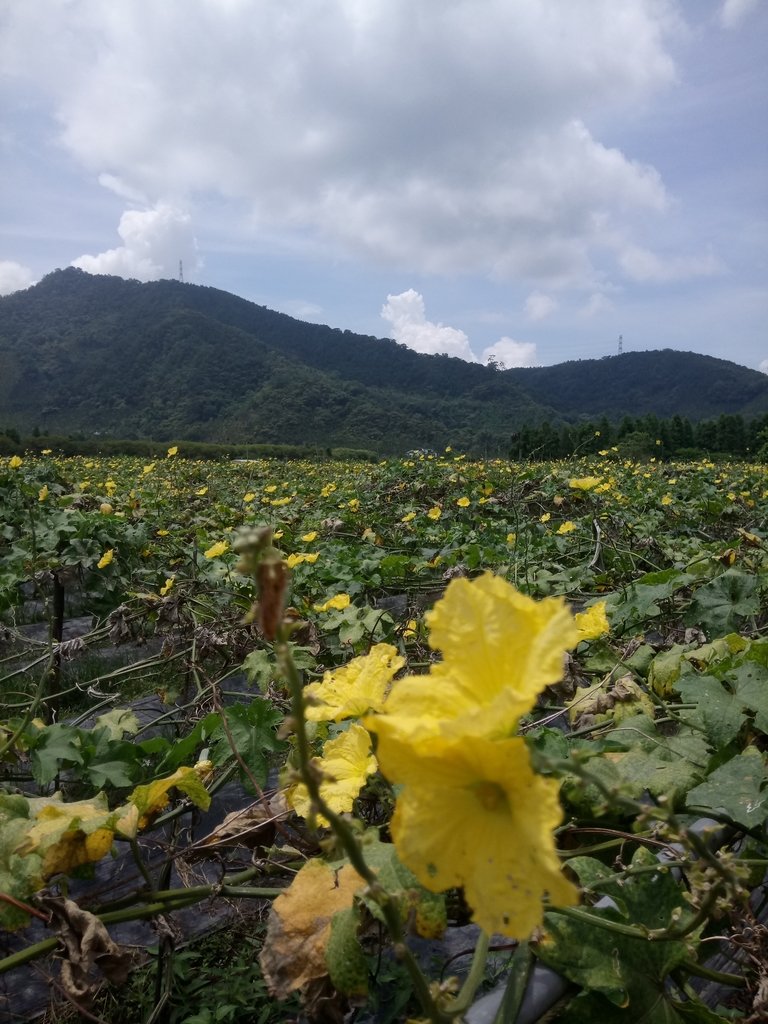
column 312, row 558
column 357, row 687
column 667, row 499
column 42, row 494
column 277, row 502
column 346, row 763
column 328, row 490
column 148, row 469
column 110, row 487
column 216, row 550
column 463, row 502
column 354, row 504
column 309, row 537
column 472, row 813
column 500, row 649
column 585, row 483
column 338, row 603
column 46, row 451
column 173, row 451
column 15, row 461
column 593, row 622
column 162, row 533
column 566, row 527
column 270, row 488
column 545, row 517
column 511, row 538
column 249, row 497
column 166, row 587
column 435, row 512
column 201, row 491
column 106, row 558
column 408, row 517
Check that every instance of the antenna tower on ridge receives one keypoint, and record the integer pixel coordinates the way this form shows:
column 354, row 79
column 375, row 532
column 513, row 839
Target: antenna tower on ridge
column 621, row 344
column 181, row 271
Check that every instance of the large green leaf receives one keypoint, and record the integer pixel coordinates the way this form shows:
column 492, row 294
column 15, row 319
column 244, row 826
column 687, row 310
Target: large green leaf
column 735, row 789
column 721, row 605
column 253, row 731
column 629, row 972
column 719, row 713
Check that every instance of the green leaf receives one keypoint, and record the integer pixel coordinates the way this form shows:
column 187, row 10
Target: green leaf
column 118, row 722
column 259, row 667
column 629, row 972
column 721, row 605
column 719, row 713
column 57, row 746
column 735, row 789
column 253, row 729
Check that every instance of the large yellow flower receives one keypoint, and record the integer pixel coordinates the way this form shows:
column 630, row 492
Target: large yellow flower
column 472, row 813
column 500, row 649
column 346, row 764
column 358, row 687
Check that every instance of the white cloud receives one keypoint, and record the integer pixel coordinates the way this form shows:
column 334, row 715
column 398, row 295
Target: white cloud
column 154, row 241
column 640, row 264
column 406, row 313
column 596, row 304
column 763, row 366
column 442, row 137
column 407, row 316
column 539, row 306
column 14, row 277
column 512, row 353
column 733, row 12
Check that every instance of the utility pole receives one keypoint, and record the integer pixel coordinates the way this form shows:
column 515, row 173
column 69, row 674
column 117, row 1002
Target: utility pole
column 621, row 343
column 181, row 272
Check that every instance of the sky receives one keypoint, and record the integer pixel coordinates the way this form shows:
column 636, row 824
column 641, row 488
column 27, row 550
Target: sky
column 528, row 180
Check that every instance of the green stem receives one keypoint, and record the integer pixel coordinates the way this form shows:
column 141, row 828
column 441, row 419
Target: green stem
column 700, row 971
column 476, row 974
column 347, row 838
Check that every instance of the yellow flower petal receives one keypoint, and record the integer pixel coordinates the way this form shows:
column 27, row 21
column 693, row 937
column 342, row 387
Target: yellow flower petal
column 106, row 558
column 593, row 622
column 309, row 537
column 566, row 527
column 216, row 550
column 337, row 603
column 346, row 763
column 472, row 813
column 357, row 687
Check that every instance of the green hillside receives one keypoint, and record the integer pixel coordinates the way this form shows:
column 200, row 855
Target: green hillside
column 90, row 354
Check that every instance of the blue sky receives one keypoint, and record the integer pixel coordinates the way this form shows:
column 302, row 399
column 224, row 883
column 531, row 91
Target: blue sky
column 528, row 179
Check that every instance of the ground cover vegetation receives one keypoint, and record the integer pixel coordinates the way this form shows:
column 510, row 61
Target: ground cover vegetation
column 476, row 691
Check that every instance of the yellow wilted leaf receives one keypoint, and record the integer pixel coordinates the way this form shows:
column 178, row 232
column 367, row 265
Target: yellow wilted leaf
column 152, row 798
column 300, row 925
column 65, row 836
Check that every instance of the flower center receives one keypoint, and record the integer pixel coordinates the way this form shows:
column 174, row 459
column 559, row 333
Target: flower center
column 490, row 794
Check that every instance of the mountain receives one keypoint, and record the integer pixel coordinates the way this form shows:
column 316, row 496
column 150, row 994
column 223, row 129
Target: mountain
column 89, row 354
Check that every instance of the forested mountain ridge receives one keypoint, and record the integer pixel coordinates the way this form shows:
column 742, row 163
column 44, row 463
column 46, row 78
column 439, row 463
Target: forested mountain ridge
column 85, row 353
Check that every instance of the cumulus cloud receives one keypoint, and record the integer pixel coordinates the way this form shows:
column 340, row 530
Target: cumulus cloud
column 406, row 314
column 154, row 241
column 14, row 277
column 442, row 137
column 512, row 353
column 733, row 12
column 763, row 366
column 539, row 306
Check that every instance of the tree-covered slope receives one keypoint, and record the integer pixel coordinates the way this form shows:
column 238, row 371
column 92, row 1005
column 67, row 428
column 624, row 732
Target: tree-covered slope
column 81, row 353
column 665, row 383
